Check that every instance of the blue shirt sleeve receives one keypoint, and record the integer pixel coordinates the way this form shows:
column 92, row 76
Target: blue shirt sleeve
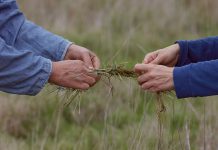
column 23, row 34
column 41, row 42
column 198, row 50
column 22, row 72
column 196, row 79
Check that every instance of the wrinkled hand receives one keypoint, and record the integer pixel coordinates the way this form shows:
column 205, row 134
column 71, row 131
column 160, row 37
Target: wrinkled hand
column 76, row 52
column 155, row 78
column 167, row 56
column 72, row 74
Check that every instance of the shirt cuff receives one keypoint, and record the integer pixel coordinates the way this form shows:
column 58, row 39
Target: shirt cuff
column 183, row 53
column 63, row 49
column 43, row 79
column 182, row 84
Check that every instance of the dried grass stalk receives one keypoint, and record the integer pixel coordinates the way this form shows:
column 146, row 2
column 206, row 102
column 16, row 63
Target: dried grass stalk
column 116, row 71
column 121, row 72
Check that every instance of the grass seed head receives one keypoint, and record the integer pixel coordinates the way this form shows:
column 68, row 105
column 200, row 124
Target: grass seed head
column 116, row 70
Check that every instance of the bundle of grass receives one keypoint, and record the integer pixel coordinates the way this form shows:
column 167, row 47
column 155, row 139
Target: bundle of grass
column 109, row 71
column 119, row 71
column 116, row 70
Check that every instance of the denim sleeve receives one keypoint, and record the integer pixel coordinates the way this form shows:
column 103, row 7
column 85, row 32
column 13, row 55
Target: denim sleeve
column 22, row 72
column 197, row 50
column 196, row 79
column 23, row 34
column 41, row 42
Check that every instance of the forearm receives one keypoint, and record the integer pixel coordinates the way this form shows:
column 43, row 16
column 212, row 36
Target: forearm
column 41, row 42
column 197, row 50
column 25, row 35
column 21, row 72
column 198, row 79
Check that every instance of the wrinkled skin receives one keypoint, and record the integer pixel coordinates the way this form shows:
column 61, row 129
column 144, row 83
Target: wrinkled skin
column 156, row 71
column 74, row 71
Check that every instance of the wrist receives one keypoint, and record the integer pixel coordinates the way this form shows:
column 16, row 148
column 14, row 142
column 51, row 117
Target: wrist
column 53, row 75
column 176, row 47
column 67, row 51
column 171, row 78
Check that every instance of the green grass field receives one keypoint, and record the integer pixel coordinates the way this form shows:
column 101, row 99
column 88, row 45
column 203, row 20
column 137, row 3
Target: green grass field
column 118, row 31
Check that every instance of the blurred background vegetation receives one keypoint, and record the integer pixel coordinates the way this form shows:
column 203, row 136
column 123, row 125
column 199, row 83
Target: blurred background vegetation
column 118, row 31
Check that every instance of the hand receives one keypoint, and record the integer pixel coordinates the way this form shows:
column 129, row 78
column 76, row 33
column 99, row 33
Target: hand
column 76, row 52
column 155, row 78
column 72, row 74
column 167, row 56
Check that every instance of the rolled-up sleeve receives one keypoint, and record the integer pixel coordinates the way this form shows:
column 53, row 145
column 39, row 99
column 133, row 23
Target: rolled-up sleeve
column 22, row 72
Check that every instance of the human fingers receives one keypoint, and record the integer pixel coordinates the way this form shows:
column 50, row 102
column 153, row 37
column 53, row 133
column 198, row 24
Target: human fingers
column 95, row 60
column 87, row 59
column 143, row 78
column 81, row 86
column 147, row 85
column 150, row 57
column 142, row 68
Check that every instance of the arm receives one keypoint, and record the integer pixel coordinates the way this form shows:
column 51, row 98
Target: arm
column 197, row 50
column 23, row 34
column 24, row 72
column 41, row 42
column 51, row 46
column 199, row 79
column 21, row 72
